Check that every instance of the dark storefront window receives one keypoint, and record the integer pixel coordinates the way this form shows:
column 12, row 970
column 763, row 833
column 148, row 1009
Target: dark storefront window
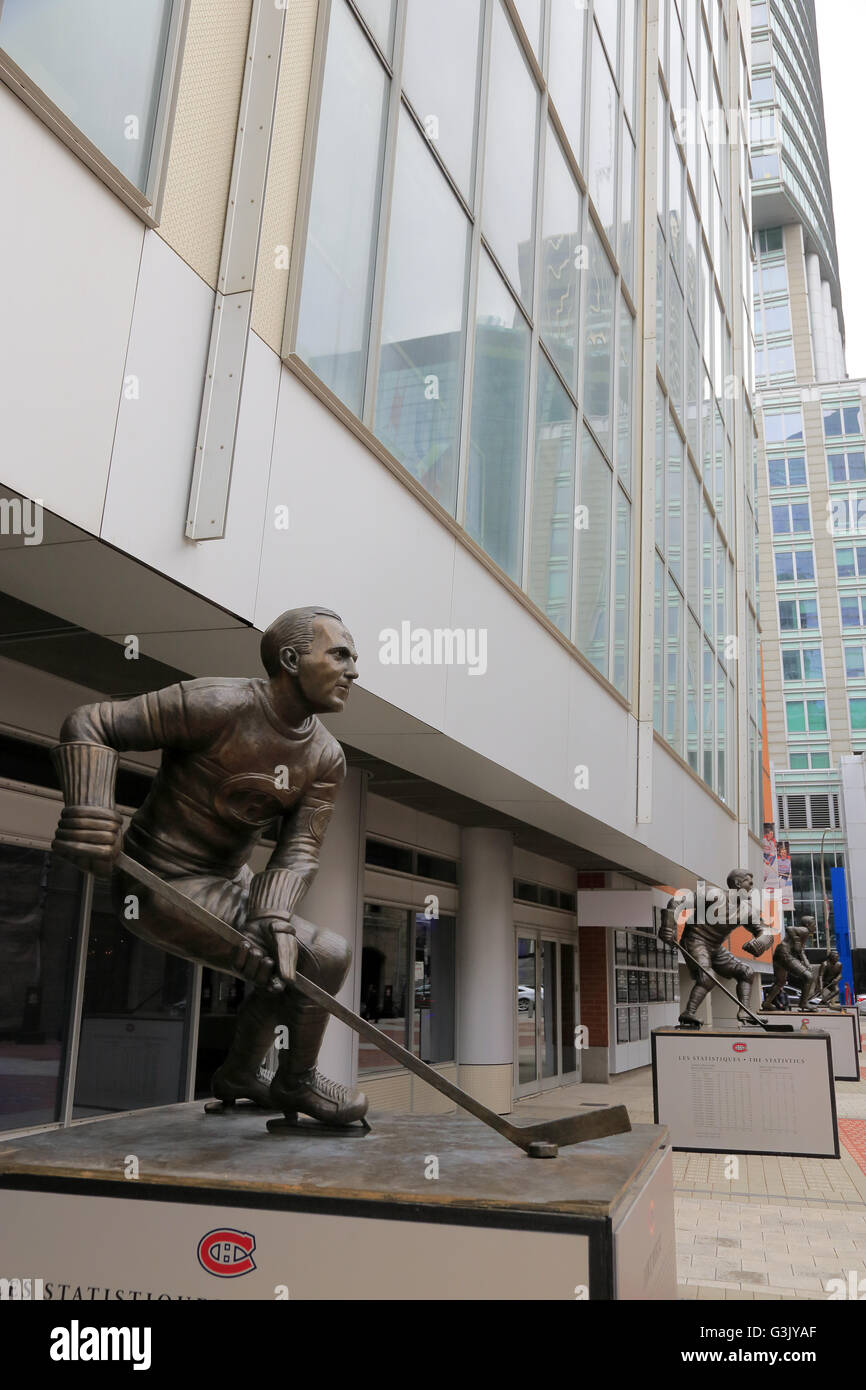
column 133, row 1045
column 407, row 983
column 40, row 907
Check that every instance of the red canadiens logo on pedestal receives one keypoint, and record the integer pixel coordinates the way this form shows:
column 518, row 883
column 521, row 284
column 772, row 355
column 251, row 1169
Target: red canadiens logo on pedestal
column 227, row 1253
column 740, row 1047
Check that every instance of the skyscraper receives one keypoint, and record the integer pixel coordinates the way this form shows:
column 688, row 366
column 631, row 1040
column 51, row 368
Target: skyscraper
column 811, row 460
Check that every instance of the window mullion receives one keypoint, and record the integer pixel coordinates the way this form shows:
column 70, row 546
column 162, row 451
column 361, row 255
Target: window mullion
column 389, row 161
column 474, row 263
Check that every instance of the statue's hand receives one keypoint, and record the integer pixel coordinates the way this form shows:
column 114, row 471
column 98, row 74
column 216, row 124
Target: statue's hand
column 668, row 928
column 89, row 837
column 759, row 944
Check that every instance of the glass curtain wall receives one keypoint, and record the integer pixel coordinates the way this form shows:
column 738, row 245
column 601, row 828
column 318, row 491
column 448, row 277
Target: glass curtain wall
column 700, row 405
column 469, row 276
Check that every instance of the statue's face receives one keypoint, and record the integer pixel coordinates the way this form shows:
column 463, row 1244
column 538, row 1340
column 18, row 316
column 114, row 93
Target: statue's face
column 325, row 673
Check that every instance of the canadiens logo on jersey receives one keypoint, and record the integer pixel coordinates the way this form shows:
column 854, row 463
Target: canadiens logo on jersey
column 227, row 1253
column 253, row 799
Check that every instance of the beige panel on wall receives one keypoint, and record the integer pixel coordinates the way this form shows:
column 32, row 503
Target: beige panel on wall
column 284, row 169
column 492, row 1085
column 426, row 1100
column 388, row 1092
column 203, row 138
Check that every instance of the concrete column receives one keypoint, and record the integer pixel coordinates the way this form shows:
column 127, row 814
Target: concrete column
column 840, row 372
column 486, row 990
column 828, row 328
column 816, row 316
column 336, row 900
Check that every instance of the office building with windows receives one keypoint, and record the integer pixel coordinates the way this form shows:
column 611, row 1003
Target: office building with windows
column 811, row 466
column 437, row 313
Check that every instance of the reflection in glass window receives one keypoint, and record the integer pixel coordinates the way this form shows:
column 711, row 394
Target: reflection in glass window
column 552, row 523
column 598, row 338
column 855, row 662
column 334, row 319
column 675, row 502
column 440, row 77
column 494, row 488
column 407, row 983
column 602, row 139
column 622, row 593
column 673, row 668
column 625, row 376
column 626, row 212
column 379, row 15
column 509, row 168
column 593, row 556
column 567, row 39
column 102, row 63
column 561, row 263
column 40, row 903
column 135, row 1018
column 423, row 323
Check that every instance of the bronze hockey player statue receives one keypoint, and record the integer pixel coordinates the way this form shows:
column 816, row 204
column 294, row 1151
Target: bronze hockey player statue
column 237, row 755
column 791, row 963
column 829, row 976
column 704, row 936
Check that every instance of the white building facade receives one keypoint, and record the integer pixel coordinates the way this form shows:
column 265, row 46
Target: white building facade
column 434, row 312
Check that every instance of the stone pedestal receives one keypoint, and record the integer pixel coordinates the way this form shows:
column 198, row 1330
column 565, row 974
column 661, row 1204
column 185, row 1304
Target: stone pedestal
column 420, row 1207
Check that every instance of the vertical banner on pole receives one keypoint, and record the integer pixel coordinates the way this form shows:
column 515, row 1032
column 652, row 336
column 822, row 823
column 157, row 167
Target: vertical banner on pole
column 840, row 924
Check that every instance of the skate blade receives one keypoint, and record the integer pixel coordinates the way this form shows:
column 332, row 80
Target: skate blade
column 294, row 1123
column 241, row 1106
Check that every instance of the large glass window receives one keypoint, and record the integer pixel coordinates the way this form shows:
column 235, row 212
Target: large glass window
column 423, row 326
column 602, row 139
column 494, row 502
column 440, row 78
column 594, row 556
column 407, row 983
column 567, row 41
column 561, row 250
column 102, row 63
column 334, row 316
column 134, row 1021
column 552, row 526
column 510, row 158
column 425, row 247
column 40, row 907
column 598, row 339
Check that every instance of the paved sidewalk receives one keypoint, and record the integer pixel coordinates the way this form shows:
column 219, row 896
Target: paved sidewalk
column 780, row 1229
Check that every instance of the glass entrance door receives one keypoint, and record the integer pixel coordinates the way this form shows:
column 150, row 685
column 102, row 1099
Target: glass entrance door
column 545, row 1050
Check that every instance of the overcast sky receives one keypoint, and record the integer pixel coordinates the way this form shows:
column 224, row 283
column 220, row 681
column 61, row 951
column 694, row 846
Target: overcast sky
column 842, row 39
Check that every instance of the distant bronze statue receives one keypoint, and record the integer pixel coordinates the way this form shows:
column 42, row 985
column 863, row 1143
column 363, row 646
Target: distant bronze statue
column 237, row 755
column 705, row 932
column 829, row 976
column 791, row 963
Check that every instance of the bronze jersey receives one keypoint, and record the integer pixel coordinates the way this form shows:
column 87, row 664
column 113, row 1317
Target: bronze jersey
column 230, row 768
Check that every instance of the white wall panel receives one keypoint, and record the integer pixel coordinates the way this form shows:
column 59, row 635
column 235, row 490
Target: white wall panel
column 358, row 542
column 151, row 466
column 517, row 711
column 70, row 252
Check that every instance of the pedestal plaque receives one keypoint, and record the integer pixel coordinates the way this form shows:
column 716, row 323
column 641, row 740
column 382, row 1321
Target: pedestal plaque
column 741, row 1091
column 844, row 1031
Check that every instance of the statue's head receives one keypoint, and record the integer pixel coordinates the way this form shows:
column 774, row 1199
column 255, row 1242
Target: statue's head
column 741, row 879
column 313, row 650
column 807, row 925
column 833, row 957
